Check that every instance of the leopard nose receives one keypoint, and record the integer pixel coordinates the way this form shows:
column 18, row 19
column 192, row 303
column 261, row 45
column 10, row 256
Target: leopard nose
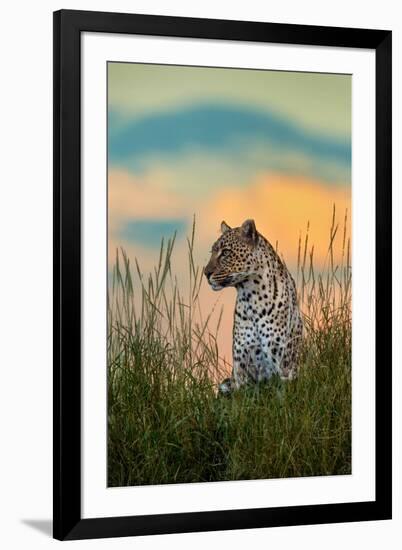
column 207, row 272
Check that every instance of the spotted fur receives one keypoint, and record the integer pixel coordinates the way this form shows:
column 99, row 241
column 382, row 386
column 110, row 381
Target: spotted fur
column 267, row 328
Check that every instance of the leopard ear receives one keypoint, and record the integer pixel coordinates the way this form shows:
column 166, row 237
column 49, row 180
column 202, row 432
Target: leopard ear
column 249, row 232
column 225, row 227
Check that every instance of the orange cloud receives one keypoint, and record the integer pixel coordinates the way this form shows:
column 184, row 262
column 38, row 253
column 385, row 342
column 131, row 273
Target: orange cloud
column 281, row 207
column 133, row 197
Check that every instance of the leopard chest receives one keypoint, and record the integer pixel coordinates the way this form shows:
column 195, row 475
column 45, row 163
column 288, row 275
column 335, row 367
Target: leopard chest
column 261, row 310
column 254, row 300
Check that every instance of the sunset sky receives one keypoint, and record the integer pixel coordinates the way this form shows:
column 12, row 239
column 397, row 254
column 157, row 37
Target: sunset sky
column 224, row 144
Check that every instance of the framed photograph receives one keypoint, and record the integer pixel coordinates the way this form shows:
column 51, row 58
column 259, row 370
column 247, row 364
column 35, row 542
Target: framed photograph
column 222, row 274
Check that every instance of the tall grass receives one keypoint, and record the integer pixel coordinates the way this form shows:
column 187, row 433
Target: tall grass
column 165, row 421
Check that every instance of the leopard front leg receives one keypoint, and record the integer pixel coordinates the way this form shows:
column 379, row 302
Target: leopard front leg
column 240, row 376
column 246, row 362
column 245, row 367
column 241, row 373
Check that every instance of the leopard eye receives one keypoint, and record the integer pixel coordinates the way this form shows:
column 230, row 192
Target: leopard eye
column 225, row 252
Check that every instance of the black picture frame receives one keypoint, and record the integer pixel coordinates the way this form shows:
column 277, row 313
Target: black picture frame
column 68, row 26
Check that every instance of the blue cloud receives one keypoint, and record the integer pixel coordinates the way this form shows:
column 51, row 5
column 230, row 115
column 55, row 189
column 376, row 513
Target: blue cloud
column 116, row 124
column 149, row 232
column 217, row 128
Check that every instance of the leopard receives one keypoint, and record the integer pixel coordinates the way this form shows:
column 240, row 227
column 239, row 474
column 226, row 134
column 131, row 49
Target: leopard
column 267, row 324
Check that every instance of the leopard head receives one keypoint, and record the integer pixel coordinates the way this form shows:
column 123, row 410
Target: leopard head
column 233, row 256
